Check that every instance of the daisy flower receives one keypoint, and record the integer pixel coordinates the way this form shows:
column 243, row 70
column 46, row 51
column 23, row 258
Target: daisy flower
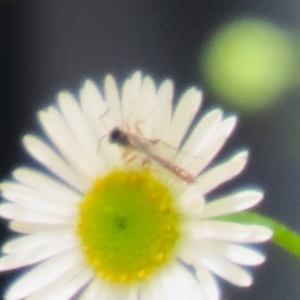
column 125, row 216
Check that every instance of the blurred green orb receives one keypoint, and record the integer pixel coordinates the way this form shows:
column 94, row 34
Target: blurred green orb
column 248, row 64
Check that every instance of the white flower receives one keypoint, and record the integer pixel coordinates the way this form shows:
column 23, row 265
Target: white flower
column 115, row 223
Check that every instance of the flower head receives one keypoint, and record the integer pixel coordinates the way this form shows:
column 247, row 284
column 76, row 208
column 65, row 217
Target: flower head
column 123, row 212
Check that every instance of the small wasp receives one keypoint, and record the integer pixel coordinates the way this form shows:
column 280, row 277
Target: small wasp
column 134, row 142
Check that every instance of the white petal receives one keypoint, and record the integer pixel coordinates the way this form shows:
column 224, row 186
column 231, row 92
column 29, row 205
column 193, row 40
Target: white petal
column 21, row 194
column 98, row 289
column 236, row 202
column 227, row 231
column 197, row 293
column 66, row 287
column 228, row 271
column 42, row 275
column 45, row 184
column 115, row 294
column 258, row 234
column 220, row 230
column 92, row 291
column 80, row 129
column 132, row 294
column 91, row 97
column 222, row 172
column 29, row 242
column 200, row 136
column 17, row 212
column 61, row 136
column 37, row 253
column 31, row 228
column 194, row 290
column 163, row 111
column 112, row 99
column 31, row 199
column 192, row 206
column 184, row 114
column 130, row 95
column 191, row 201
column 94, row 108
column 100, row 121
column 212, row 147
column 153, row 291
column 118, row 292
column 51, row 160
column 178, row 283
column 142, row 120
column 238, row 254
column 208, row 283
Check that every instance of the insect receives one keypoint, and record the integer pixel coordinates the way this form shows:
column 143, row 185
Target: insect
column 137, row 143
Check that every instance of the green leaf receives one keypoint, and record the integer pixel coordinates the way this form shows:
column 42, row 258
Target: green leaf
column 283, row 236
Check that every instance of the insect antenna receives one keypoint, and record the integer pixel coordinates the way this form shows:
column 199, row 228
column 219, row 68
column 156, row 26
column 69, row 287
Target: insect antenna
column 105, row 127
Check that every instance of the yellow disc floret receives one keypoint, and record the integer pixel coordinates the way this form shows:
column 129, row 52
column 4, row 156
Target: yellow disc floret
column 128, row 226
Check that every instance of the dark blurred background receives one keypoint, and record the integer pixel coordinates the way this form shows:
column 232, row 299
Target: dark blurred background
column 46, row 46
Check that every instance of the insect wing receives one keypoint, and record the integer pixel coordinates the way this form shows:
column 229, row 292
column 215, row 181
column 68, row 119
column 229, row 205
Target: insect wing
column 162, row 150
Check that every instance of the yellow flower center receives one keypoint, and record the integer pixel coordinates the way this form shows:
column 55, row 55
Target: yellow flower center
column 128, row 226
